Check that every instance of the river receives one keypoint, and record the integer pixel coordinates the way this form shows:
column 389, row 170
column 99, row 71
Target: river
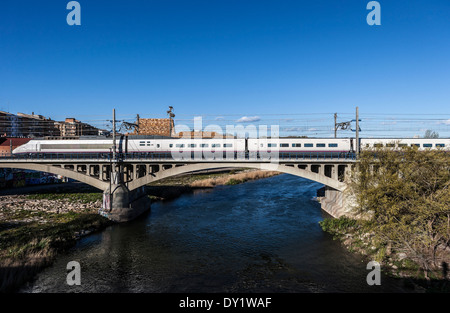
column 261, row 236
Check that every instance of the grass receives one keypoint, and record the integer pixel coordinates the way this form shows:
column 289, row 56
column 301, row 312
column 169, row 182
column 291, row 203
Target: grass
column 81, row 197
column 338, row 227
column 27, row 244
column 232, row 179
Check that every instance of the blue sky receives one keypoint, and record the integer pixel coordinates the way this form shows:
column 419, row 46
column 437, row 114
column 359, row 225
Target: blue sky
column 225, row 59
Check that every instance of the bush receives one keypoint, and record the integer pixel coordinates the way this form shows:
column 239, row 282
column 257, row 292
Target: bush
column 338, row 226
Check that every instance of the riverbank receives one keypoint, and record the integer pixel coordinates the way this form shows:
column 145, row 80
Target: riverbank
column 37, row 223
column 356, row 239
column 34, row 229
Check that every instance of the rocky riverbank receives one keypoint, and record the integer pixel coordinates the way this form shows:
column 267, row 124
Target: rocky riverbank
column 34, row 229
column 356, row 239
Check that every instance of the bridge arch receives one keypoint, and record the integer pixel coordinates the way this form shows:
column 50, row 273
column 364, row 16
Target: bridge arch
column 178, row 170
column 81, row 177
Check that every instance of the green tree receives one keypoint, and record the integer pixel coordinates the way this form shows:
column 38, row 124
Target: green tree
column 431, row 134
column 405, row 196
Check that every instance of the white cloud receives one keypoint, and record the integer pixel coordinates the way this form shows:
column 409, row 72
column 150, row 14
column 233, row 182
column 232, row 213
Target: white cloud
column 445, row 122
column 219, row 118
column 248, row 119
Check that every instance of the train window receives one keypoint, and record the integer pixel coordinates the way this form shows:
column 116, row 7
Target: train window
column 296, row 145
column 440, row 145
column 192, row 145
column 204, row 145
column 332, row 145
column 390, row 145
column 378, row 145
column 284, row 145
column 227, row 145
column 320, row 145
column 179, row 145
column 309, row 145
column 427, row 145
column 157, row 145
column 271, row 145
column 215, row 145
column 171, row 145
column 402, row 145
column 142, row 144
column 415, row 145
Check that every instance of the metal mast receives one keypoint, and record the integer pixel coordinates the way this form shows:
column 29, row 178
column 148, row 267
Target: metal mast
column 357, row 131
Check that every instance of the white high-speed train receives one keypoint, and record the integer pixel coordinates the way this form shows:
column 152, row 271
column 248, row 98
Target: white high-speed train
column 147, row 145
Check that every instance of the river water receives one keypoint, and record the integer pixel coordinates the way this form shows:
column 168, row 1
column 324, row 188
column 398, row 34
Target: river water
column 261, row 236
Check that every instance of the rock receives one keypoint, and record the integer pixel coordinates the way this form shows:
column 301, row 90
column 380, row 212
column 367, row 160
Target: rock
column 401, row 256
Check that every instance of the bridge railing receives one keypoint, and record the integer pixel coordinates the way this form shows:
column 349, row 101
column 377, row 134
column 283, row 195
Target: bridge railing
column 255, row 157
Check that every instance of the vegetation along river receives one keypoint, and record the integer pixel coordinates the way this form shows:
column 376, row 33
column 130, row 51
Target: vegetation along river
column 260, row 236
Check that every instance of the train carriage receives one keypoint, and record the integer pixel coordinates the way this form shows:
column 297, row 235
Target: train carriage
column 166, row 147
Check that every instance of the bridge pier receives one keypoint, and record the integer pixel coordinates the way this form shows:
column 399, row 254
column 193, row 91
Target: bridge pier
column 337, row 203
column 123, row 205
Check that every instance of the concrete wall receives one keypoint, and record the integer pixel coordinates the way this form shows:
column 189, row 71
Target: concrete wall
column 337, row 203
